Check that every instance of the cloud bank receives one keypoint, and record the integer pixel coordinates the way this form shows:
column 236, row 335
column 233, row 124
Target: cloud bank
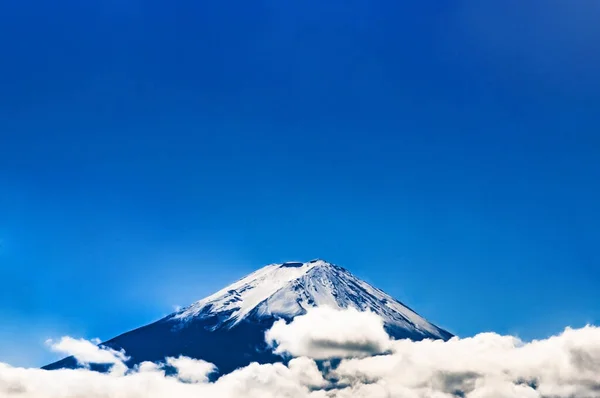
column 369, row 364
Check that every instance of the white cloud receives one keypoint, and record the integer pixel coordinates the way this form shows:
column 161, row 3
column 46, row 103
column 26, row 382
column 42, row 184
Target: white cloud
column 191, row 370
column 487, row 365
column 306, row 372
column 87, row 351
column 260, row 381
column 325, row 333
column 484, row 366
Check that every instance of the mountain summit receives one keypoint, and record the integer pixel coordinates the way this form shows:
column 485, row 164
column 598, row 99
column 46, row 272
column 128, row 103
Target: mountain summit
column 227, row 328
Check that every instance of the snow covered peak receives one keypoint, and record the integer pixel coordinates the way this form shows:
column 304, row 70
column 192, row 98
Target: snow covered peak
column 239, row 298
column 289, row 289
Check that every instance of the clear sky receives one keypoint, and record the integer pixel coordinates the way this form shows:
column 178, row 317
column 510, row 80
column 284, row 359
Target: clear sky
column 152, row 152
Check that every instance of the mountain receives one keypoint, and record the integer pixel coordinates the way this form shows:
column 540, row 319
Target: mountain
column 228, row 327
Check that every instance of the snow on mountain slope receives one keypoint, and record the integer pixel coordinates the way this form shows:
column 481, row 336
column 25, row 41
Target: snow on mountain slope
column 244, row 295
column 289, row 289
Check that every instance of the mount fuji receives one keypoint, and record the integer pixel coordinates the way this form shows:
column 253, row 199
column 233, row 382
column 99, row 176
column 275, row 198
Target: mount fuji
column 228, row 328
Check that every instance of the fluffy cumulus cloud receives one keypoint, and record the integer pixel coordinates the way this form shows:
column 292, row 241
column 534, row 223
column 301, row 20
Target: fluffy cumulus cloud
column 485, row 366
column 190, row 370
column 87, row 352
column 326, row 333
column 368, row 364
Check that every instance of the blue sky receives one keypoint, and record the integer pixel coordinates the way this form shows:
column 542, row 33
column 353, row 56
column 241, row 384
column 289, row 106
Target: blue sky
column 447, row 152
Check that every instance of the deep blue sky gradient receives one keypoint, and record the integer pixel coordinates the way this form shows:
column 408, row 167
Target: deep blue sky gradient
column 152, row 152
